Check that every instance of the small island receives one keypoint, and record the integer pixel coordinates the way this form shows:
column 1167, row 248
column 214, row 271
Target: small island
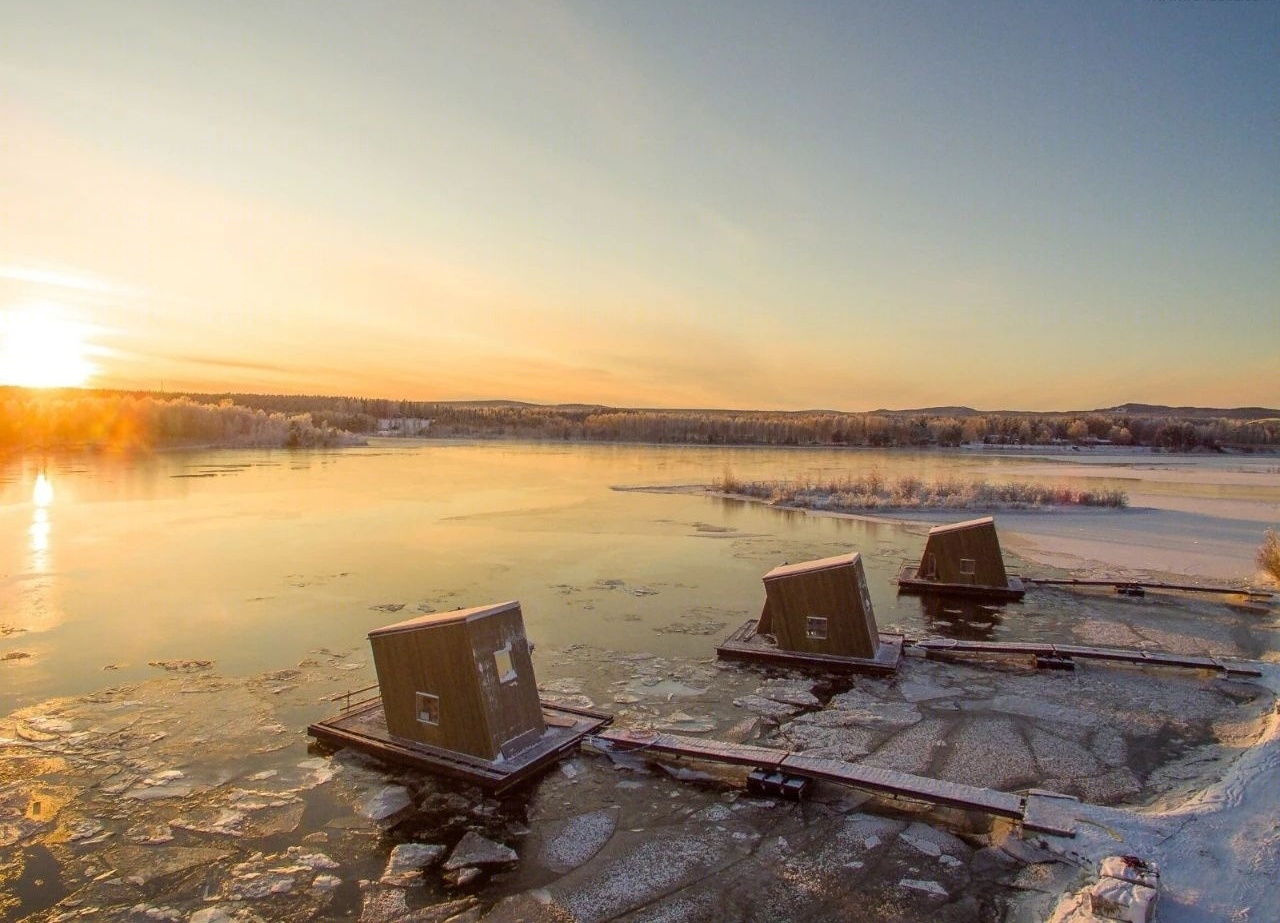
column 871, row 492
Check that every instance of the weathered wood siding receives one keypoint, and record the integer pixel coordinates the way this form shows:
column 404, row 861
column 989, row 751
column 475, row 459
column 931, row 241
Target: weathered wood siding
column 765, row 626
column 515, row 714
column 435, row 659
column 451, row 655
column 834, row 589
column 975, row 540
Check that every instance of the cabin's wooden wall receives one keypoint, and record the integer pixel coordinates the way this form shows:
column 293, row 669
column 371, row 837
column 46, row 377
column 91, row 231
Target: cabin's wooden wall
column 515, row 713
column 837, row 594
column 979, row 542
column 436, row 659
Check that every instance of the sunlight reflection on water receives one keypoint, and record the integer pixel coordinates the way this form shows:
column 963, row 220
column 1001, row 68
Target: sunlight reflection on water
column 41, row 497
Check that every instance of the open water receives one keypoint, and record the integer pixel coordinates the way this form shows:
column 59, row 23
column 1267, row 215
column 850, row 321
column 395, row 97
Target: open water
column 252, row 559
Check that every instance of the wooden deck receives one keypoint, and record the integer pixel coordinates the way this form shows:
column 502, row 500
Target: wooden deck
column 364, row 727
column 1042, row 811
column 1061, row 654
column 746, row 644
column 909, row 581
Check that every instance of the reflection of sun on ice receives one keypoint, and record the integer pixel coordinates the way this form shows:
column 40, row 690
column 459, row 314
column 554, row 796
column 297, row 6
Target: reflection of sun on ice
column 38, row 349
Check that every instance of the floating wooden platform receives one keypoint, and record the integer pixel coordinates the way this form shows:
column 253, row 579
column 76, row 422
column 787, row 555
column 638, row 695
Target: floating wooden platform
column 910, row 581
column 1041, row 811
column 1063, row 655
column 1139, row 587
column 364, row 727
column 747, row 644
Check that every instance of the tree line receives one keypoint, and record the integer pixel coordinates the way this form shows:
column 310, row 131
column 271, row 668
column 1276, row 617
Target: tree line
column 89, row 420
column 71, row 417
column 881, row 430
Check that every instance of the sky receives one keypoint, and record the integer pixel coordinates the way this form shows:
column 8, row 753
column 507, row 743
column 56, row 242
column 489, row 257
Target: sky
column 1007, row 205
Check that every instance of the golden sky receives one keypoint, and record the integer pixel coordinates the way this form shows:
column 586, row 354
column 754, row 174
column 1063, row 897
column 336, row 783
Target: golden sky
column 731, row 205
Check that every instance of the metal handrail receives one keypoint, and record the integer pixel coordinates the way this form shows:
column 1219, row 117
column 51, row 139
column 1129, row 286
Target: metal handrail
column 349, row 693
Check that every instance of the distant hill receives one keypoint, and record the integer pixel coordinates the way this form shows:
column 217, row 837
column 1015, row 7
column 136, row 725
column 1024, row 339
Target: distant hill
column 1134, row 410
column 934, row 412
column 1197, row 413
column 957, row 411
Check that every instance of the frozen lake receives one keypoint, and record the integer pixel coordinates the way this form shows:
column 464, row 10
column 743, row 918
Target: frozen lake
column 182, row 617
column 252, row 559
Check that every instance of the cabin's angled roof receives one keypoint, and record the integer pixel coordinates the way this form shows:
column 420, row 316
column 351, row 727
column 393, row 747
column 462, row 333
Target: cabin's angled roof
column 805, row 567
column 433, row 619
column 967, row 524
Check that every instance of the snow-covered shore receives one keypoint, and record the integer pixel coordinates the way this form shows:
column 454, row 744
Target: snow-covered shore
column 1218, row 852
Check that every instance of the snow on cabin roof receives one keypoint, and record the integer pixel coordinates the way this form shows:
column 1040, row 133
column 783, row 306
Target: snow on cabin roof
column 805, row 567
column 967, row 524
column 433, row 619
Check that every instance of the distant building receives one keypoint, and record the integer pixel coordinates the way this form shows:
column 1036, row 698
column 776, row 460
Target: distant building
column 821, row 607
column 403, row 426
column 460, row 681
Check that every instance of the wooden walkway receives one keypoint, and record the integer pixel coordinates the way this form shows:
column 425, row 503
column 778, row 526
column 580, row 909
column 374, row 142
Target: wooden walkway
column 746, row 644
column 364, row 727
column 1065, row 654
column 1138, row 587
column 1033, row 814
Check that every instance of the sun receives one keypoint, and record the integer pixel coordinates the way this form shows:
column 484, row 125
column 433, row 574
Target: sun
column 39, row 349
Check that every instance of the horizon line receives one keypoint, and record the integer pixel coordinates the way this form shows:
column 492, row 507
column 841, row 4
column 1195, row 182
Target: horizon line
column 940, row 409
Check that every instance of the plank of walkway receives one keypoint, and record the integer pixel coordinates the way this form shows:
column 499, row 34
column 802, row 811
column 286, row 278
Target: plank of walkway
column 885, row 781
column 985, row 647
column 1049, row 812
column 1152, row 585
column 696, row 748
column 903, row 784
column 1115, row 655
column 1157, row 658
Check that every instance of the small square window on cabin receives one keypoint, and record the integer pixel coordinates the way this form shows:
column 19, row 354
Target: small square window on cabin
column 502, row 661
column 815, row 627
column 428, row 708
column 968, row 566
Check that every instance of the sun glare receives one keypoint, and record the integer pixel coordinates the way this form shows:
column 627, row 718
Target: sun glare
column 38, row 349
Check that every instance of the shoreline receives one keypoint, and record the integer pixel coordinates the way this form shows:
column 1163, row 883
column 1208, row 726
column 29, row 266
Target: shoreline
column 365, row 439
column 1214, row 850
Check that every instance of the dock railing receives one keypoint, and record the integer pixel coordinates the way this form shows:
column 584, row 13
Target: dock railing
column 349, row 706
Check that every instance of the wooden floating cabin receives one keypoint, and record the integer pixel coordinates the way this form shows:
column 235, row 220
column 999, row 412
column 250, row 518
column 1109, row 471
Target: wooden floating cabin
column 817, row 613
column 964, row 559
column 457, row 695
